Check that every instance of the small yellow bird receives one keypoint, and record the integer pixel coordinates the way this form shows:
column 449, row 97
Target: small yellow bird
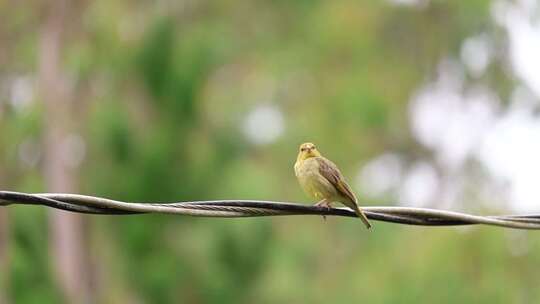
column 321, row 179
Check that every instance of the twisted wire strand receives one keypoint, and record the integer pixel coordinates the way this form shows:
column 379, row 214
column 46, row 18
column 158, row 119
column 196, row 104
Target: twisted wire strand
column 252, row 208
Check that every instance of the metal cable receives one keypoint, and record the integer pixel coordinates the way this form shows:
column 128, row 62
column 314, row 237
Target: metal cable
column 249, row 208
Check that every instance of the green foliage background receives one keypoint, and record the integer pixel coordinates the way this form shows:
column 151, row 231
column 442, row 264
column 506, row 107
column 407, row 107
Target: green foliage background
column 164, row 87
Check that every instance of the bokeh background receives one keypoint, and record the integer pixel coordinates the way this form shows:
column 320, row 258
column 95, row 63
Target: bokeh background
column 421, row 103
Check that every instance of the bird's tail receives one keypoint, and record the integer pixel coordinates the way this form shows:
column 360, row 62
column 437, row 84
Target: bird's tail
column 362, row 216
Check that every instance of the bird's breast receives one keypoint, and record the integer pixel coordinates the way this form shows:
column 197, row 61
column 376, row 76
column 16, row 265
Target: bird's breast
column 310, row 179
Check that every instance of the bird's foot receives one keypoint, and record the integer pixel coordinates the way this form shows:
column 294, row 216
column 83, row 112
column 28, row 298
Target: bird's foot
column 324, row 203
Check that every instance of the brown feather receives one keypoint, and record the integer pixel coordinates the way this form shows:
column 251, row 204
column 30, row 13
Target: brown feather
column 331, row 172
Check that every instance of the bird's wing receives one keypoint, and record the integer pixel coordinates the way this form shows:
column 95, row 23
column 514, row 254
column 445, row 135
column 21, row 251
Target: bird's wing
column 331, row 172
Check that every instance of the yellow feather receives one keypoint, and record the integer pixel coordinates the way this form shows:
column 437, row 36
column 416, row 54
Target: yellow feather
column 321, row 179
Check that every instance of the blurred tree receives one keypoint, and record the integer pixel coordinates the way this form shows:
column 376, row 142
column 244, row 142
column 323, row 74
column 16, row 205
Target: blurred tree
column 68, row 248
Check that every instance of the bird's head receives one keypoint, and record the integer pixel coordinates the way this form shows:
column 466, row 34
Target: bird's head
column 307, row 150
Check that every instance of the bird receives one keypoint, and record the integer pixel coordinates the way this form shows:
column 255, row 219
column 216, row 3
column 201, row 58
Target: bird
column 321, row 179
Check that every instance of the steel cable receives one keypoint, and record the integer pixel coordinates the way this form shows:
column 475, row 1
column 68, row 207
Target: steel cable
column 250, row 208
